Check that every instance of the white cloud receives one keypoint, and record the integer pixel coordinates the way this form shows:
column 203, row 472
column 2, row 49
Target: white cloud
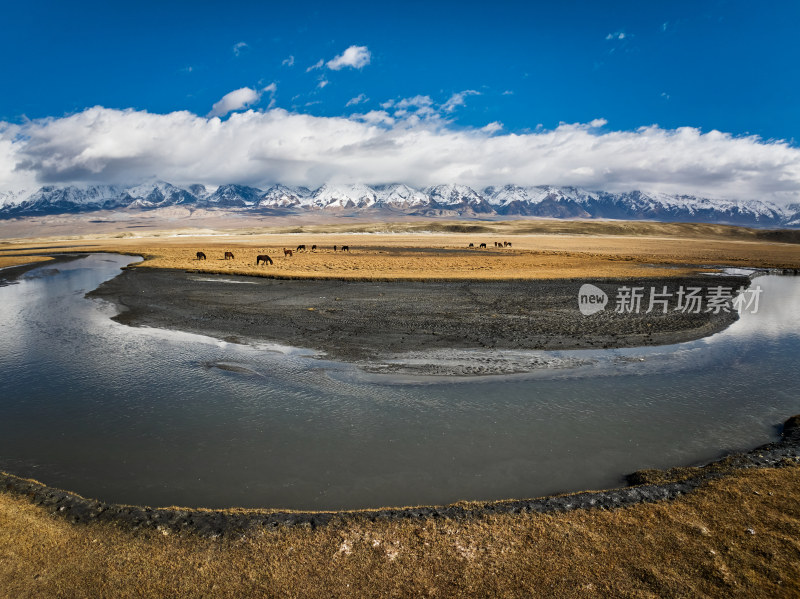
column 356, row 57
column 270, row 89
column 257, row 148
column 317, row 65
column 288, row 62
column 457, row 99
column 359, row 99
column 240, row 98
column 239, row 47
column 322, row 82
column 617, row 35
column 374, row 117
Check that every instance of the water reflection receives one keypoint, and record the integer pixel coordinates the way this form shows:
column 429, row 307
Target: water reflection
column 161, row 417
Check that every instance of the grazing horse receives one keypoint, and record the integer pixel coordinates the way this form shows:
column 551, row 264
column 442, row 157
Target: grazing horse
column 201, row 256
column 345, row 248
column 286, row 252
column 334, row 248
column 229, row 255
column 300, row 247
column 507, row 244
column 263, row 258
column 483, row 245
column 472, row 245
column 313, row 248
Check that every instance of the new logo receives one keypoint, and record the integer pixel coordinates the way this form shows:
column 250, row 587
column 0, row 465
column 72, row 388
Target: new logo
column 591, row 299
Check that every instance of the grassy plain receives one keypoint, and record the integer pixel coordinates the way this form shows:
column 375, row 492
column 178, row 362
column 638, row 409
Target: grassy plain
column 439, row 250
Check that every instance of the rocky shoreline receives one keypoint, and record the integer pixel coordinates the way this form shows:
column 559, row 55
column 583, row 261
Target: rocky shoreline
column 647, row 486
column 391, row 326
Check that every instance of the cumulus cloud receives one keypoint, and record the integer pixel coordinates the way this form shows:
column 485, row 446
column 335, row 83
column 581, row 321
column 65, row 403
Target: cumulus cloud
column 240, row 98
column 261, row 147
column 356, row 57
column 235, row 100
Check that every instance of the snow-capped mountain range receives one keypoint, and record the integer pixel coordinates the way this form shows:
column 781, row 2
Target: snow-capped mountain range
column 441, row 200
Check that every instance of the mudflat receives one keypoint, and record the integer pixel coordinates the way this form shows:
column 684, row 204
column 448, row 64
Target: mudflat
column 375, row 322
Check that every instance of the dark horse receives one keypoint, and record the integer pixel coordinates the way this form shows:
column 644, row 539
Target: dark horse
column 300, row 247
column 201, row 256
column 286, row 252
column 313, row 248
column 263, row 258
column 483, row 245
column 345, row 248
column 229, row 255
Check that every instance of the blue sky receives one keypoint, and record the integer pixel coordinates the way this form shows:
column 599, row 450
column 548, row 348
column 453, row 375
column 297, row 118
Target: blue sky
column 730, row 66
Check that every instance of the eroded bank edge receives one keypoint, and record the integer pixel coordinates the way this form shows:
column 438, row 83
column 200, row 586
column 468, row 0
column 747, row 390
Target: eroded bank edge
column 236, row 523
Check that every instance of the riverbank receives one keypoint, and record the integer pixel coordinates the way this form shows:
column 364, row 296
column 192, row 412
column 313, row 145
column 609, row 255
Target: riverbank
column 440, row 250
column 729, row 528
column 391, row 326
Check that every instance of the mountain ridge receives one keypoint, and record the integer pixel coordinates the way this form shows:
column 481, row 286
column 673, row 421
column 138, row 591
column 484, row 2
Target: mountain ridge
column 446, row 200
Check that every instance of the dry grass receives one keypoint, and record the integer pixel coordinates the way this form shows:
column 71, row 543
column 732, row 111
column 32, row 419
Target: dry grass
column 739, row 536
column 439, row 250
column 10, row 260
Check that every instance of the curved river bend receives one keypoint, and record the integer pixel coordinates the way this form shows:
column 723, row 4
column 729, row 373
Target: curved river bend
column 136, row 415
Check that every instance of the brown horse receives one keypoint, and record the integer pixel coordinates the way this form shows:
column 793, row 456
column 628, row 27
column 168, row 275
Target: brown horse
column 201, row 256
column 286, row 252
column 229, row 255
column 263, row 258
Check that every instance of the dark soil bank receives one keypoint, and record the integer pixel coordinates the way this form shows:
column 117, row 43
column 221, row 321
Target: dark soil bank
column 648, row 486
column 363, row 321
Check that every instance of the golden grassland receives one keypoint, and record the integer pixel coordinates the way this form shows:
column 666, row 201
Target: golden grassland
column 739, row 536
column 436, row 250
column 6, row 260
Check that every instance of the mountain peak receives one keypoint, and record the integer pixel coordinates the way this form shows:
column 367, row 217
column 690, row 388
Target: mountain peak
column 446, row 200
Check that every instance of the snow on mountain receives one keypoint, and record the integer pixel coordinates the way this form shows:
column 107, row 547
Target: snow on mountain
column 281, row 196
column 401, row 196
column 156, row 195
column 51, row 199
column 451, row 200
column 12, row 198
column 231, row 195
column 343, row 196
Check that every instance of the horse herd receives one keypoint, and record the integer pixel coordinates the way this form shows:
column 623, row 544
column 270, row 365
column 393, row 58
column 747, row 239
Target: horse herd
column 265, row 259
column 497, row 244
column 288, row 253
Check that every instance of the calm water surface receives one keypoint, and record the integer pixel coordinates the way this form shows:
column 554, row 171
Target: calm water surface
column 156, row 417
